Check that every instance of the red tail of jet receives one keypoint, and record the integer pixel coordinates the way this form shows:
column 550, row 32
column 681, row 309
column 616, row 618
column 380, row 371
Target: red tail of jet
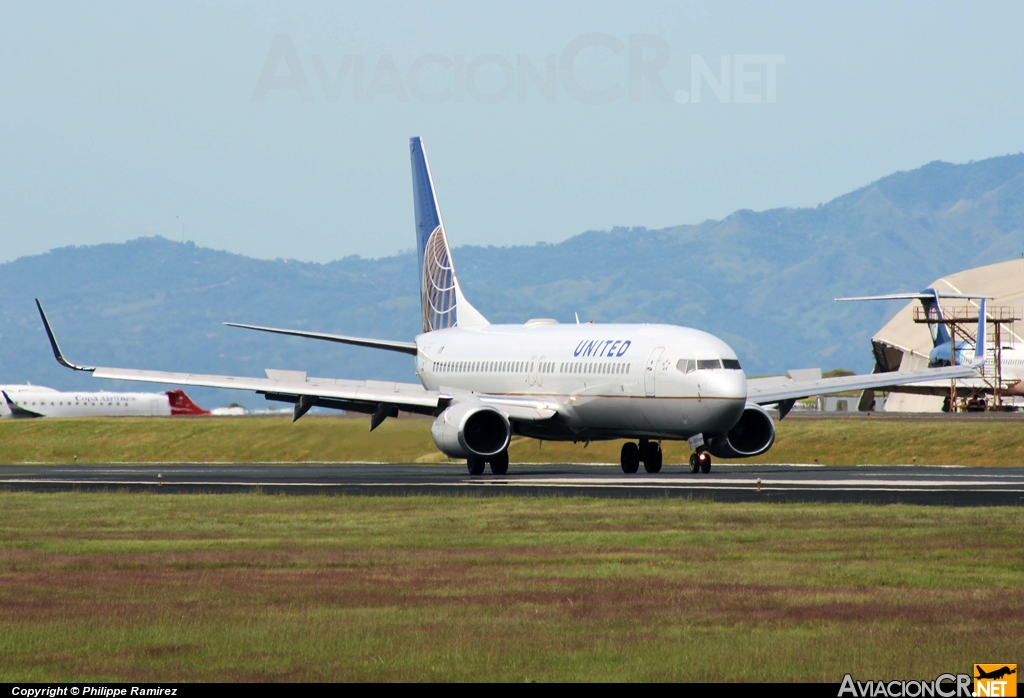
column 181, row 404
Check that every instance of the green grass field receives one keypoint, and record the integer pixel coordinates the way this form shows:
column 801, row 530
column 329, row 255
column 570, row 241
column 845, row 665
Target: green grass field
column 340, row 439
column 105, row 587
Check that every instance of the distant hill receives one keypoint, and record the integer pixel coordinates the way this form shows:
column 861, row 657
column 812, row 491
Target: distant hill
column 763, row 281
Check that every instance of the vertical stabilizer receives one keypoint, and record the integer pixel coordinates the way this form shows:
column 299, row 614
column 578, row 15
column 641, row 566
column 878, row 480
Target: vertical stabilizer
column 181, row 404
column 981, row 344
column 932, row 307
column 440, row 295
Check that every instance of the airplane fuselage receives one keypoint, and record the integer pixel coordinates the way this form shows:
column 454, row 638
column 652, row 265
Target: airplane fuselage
column 613, row 381
column 47, row 402
column 38, row 401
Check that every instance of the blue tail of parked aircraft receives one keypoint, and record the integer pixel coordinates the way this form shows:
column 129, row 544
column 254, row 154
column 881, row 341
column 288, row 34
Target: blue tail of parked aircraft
column 440, row 295
column 933, row 309
column 942, row 343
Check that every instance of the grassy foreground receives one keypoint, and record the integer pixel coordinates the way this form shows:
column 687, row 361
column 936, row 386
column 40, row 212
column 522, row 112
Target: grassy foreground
column 340, row 439
column 105, row 587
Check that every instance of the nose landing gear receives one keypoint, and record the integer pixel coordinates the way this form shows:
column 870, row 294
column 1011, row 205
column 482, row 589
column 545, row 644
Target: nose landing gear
column 700, row 462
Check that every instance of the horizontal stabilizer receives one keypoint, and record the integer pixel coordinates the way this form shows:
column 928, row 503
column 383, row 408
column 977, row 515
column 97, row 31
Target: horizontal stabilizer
column 922, row 295
column 386, row 344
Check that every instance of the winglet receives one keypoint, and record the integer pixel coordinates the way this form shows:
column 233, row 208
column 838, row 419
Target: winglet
column 53, row 344
column 981, row 345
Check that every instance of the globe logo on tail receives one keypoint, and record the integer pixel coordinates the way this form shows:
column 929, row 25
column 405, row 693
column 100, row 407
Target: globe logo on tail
column 439, row 296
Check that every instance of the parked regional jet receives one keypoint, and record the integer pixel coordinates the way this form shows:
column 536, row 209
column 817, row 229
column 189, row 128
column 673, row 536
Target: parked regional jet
column 945, row 351
column 27, row 401
column 484, row 383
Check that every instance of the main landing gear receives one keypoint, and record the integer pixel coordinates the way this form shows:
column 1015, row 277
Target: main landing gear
column 498, row 463
column 700, row 462
column 647, row 451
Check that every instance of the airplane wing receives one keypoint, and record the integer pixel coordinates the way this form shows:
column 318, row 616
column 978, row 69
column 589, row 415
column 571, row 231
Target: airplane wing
column 768, row 393
column 964, row 388
column 410, row 395
column 381, row 399
column 378, row 398
column 522, row 409
column 785, row 392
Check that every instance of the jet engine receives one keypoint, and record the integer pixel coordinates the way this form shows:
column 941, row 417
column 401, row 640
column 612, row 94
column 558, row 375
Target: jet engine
column 470, row 430
column 753, row 435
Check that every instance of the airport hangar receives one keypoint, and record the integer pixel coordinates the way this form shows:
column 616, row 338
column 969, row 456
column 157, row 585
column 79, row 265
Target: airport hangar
column 904, row 344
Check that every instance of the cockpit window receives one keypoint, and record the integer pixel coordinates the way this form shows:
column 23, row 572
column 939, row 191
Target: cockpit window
column 731, row 363
column 708, row 364
column 686, row 365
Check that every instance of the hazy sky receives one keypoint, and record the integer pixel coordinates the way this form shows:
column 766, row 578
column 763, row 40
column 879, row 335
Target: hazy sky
column 282, row 130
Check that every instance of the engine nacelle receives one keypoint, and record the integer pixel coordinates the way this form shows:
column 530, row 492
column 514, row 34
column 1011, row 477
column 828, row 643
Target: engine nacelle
column 471, row 430
column 753, row 435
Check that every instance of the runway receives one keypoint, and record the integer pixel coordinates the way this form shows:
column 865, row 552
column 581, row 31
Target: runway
column 951, row 485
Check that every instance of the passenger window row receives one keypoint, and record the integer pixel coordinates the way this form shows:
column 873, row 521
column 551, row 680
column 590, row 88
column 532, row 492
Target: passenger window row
column 61, row 404
column 492, row 367
column 585, row 367
column 599, row 367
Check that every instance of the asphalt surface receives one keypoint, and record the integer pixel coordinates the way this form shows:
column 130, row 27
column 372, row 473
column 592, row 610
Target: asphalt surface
column 778, row 483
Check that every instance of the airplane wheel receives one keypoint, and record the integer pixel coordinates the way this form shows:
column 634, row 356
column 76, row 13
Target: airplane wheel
column 499, row 463
column 705, row 462
column 475, row 466
column 694, row 463
column 652, row 459
column 630, row 457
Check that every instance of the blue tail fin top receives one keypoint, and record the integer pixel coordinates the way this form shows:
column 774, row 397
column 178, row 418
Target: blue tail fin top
column 932, row 307
column 428, row 216
column 440, row 296
column 437, row 274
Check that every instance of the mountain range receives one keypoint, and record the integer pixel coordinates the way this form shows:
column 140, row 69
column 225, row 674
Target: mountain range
column 763, row 281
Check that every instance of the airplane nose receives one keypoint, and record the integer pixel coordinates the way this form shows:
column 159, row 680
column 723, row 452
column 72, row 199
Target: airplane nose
column 726, row 383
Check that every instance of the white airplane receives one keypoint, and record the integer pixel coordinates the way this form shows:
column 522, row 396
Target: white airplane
column 27, row 401
column 484, row 383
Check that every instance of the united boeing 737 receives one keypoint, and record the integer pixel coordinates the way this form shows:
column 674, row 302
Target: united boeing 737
column 484, row 383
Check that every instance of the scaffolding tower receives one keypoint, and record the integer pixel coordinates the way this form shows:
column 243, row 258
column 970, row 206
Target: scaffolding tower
column 962, row 322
